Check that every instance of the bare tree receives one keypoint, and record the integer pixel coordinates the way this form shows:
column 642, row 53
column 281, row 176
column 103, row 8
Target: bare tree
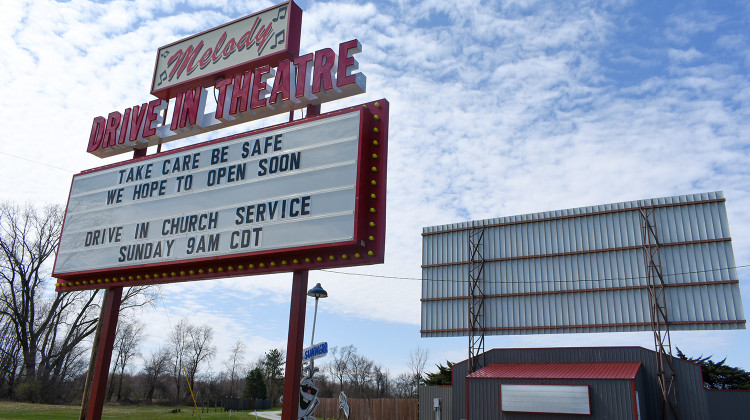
column 339, row 366
column 155, row 368
column 403, row 386
column 359, row 373
column 129, row 334
column 235, row 363
column 10, row 358
column 382, row 381
column 200, row 349
column 178, row 342
column 417, row 359
column 49, row 327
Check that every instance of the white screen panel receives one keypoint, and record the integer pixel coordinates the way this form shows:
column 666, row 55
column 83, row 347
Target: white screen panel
column 558, row 399
column 583, row 270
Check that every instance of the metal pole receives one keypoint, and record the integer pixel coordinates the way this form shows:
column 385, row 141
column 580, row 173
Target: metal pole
column 315, row 317
column 191, row 389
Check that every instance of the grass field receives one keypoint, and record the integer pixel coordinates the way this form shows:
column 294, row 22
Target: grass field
column 15, row 410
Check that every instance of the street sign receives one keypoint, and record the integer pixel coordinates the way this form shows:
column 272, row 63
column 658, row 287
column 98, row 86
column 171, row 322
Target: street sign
column 315, row 352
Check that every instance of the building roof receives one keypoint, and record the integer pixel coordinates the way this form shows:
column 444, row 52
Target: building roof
column 622, row 371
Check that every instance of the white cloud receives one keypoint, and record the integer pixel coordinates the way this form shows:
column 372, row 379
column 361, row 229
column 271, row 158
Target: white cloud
column 512, row 109
column 683, row 24
column 683, row 56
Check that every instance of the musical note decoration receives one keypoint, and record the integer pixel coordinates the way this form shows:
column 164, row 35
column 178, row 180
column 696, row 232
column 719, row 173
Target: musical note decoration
column 278, row 15
column 276, row 41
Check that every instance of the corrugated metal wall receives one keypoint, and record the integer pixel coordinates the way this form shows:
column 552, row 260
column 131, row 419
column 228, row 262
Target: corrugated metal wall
column 726, row 404
column 427, row 395
column 691, row 397
column 583, row 270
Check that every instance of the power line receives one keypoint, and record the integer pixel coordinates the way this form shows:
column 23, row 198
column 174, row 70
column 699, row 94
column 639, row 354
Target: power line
column 36, row 161
column 528, row 282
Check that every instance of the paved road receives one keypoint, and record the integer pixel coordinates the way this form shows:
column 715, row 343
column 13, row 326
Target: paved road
column 274, row 415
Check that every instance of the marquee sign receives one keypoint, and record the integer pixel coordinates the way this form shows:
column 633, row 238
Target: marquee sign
column 309, row 194
column 265, row 91
column 266, row 37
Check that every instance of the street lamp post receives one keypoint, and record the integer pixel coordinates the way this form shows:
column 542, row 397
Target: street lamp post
column 317, row 292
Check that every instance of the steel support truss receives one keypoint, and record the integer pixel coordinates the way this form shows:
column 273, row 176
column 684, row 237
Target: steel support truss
column 659, row 318
column 476, row 298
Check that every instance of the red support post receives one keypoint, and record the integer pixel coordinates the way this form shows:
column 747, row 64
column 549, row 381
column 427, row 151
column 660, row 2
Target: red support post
column 293, row 370
column 104, row 342
column 111, row 302
column 294, row 344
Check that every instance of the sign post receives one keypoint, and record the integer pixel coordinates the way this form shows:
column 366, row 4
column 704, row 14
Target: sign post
column 293, row 369
column 106, row 341
column 294, row 343
column 101, row 349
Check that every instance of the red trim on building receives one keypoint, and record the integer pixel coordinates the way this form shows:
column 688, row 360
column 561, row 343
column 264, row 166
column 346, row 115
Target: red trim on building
column 621, row 371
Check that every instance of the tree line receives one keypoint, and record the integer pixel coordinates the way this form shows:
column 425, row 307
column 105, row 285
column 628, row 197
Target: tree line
column 167, row 371
column 45, row 338
column 45, row 341
column 344, row 369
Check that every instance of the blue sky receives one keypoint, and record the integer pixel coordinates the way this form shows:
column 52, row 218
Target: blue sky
column 498, row 108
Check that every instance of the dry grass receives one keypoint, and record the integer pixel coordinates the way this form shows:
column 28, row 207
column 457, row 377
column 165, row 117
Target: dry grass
column 16, row 410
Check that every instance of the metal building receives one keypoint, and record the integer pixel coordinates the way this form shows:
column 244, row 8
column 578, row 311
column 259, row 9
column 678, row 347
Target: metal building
column 566, row 383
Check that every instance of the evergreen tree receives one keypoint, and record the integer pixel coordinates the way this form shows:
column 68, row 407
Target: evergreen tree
column 443, row 376
column 717, row 375
column 255, row 387
column 273, row 374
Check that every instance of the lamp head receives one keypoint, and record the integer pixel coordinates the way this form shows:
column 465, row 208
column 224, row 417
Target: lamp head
column 317, row 292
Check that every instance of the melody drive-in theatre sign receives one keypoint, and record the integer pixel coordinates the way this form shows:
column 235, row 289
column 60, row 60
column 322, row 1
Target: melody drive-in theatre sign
column 302, row 195
column 308, row 194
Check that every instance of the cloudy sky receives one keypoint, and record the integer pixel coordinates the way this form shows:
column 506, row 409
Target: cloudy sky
column 497, row 108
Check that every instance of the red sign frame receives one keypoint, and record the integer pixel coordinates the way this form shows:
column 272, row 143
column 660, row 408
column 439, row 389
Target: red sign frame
column 367, row 247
